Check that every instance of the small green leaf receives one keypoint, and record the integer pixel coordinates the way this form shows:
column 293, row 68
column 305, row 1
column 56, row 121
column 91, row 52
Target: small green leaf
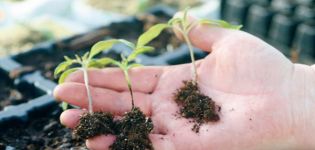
column 62, row 67
column 106, row 45
column 174, row 21
column 129, row 44
column 123, row 57
column 152, row 33
column 134, row 65
column 100, row 63
column 65, row 74
column 138, row 51
column 78, row 58
column 186, row 13
column 220, row 23
column 67, row 58
column 64, row 106
column 144, row 49
column 85, row 56
column 118, row 64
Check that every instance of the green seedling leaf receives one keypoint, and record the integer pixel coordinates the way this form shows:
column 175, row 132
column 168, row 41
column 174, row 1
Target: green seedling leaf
column 186, row 13
column 100, row 63
column 119, row 64
column 174, row 21
column 62, row 67
column 64, row 106
column 134, row 65
column 85, row 56
column 152, row 33
column 106, row 45
column 123, row 57
column 95, row 64
column 65, row 74
column 129, row 44
column 67, row 58
column 138, row 51
column 78, row 58
column 220, row 23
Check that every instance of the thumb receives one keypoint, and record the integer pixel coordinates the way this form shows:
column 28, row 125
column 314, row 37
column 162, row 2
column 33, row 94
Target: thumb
column 202, row 36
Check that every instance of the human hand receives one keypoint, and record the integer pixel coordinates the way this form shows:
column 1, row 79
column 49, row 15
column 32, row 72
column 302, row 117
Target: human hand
column 266, row 101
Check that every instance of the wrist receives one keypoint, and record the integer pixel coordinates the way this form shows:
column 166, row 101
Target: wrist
column 304, row 106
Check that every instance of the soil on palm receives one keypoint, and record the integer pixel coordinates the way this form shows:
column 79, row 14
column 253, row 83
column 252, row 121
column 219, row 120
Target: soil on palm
column 195, row 105
column 95, row 124
column 133, row 132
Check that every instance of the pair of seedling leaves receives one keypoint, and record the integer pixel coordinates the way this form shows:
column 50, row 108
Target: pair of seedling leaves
column 183, row 25
column 88, row 60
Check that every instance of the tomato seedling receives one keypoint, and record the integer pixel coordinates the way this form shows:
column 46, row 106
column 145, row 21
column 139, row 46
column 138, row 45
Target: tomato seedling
column 69, row 66
column 184, row 26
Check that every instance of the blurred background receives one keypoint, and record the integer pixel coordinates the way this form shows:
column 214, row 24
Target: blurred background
column 24, row 23
column 35, row 35
column 286, row 24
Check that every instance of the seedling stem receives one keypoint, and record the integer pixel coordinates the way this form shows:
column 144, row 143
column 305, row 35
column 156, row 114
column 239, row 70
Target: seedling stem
column 88, row 91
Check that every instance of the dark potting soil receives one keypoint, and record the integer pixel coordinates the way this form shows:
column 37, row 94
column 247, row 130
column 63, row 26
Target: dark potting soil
column 40, row 133
column 95, row 124
column 195, row 105
column 133, row 132
column 12, row 95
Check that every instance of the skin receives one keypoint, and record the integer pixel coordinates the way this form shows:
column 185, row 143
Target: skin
column 267, row 102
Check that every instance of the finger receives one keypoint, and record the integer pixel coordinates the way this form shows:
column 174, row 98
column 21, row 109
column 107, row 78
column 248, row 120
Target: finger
column 102, row 142
column 142, row 79
column 70, row 117
column 204, row 36
column 103, row 99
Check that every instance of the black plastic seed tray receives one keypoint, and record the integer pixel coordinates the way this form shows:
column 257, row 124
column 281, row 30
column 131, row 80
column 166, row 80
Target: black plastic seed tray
column 287, row 25
column 44, row 59
column 19, row 96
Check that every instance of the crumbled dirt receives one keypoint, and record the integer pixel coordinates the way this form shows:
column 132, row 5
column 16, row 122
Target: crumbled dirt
column 195, row 105
column 43, row 132
column 133, row 132
column 95, row 124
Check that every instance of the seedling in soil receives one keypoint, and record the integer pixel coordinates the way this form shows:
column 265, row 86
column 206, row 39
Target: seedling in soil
column 69, row 66
column 91, row 124
column 134, row 128
column 193, row 104
column 184, row 26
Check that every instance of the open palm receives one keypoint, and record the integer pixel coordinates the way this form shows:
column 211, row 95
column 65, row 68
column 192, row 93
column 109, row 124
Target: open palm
column 258, row 89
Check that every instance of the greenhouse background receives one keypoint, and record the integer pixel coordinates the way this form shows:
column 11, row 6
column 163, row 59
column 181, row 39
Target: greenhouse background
column 35, row 35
